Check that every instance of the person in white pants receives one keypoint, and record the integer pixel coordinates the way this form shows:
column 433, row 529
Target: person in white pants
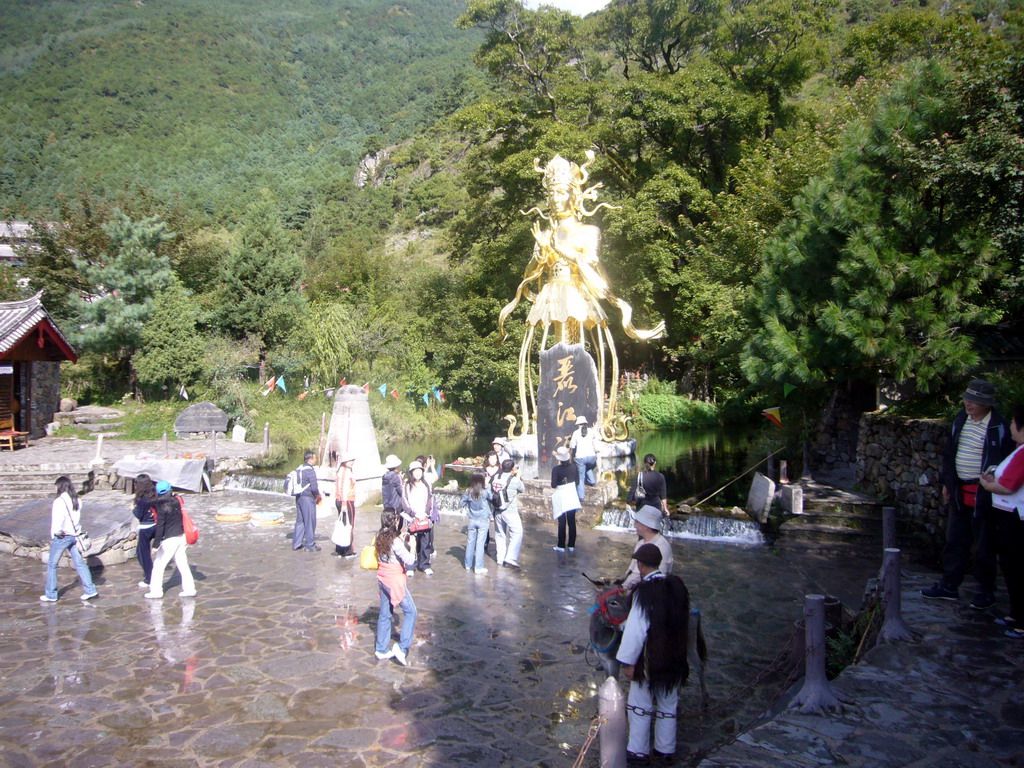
column 170, row 538
column 653, row 637
column 508, row 526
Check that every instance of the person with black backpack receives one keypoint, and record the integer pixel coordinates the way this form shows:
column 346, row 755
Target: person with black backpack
column 649, row 487
column 508, row 527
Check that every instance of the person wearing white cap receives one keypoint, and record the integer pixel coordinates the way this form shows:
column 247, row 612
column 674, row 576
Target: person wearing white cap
column 345, row 503
column 419, row 507
column 585, row 451
column 648, row 530
column 391, row 484
column 565, row 473
column 500, row 447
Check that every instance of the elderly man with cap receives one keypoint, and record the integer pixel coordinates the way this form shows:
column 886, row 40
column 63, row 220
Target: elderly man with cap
column 979, row 438
column 345, row 502
column 585, row 452
column 652, row 652
column 304, row 533
column 648, row 530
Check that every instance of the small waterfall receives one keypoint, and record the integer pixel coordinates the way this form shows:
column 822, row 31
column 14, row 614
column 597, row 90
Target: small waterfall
column 254, row 484
column 448, row 502
column 693, row 527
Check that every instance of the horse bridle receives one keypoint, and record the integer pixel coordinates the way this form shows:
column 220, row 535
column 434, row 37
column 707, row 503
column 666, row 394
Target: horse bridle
column 602, row 606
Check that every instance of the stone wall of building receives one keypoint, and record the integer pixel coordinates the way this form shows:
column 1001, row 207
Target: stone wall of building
column 45, row 395
column 900, row 460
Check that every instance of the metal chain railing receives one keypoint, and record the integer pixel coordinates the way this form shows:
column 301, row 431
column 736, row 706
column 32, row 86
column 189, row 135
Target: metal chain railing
column 595, row 728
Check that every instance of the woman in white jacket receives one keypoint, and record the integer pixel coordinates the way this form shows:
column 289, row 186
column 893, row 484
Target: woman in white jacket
column 65, row 519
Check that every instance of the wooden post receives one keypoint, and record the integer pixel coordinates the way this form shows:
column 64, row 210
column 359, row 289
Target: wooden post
column 213, row 450
column 889, row 528
column 783, row 471
column 894, row 628
column 611, row 707
column 266, row 438
column 320, row 445
column 817, row 695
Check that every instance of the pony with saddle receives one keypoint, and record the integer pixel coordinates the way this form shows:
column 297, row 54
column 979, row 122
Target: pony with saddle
column 609, row 614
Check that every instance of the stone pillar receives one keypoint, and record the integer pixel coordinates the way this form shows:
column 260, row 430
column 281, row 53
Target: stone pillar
column 351, row 431
column 568, row 389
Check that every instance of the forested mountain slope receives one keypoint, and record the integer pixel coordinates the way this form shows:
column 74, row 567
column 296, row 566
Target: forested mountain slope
column 210, row 101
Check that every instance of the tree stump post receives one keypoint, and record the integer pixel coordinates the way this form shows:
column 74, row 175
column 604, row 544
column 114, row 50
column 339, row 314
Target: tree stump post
column 894, row 629
column 817, row 695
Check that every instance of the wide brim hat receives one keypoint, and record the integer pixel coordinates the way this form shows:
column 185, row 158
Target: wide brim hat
column 981, row 392
column 649, row 555
column 649, row 516
column 498, row 441
column 581, row 420
column 392, row 461
column 415, row 465
column 347, row 457
column 562, row 453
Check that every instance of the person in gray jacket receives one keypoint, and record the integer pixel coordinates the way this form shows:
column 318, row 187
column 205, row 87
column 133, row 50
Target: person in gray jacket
column 508, row 527
column 304, row 535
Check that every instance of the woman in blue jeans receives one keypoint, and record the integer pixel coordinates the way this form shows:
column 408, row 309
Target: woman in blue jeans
column 65, row 518
column 393, row 561
column 477, row 503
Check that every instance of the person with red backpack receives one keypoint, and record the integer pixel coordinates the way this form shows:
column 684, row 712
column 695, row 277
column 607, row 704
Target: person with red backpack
column 170, row 540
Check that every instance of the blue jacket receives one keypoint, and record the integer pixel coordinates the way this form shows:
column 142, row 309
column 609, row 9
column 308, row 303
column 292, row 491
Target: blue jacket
column 307, row 476
column 391, row 491
column 479, row 508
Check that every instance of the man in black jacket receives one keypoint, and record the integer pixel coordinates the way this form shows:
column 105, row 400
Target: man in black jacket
column 980, row 438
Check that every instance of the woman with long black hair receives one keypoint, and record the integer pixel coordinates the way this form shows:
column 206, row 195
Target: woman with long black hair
column 65, row 526
column 145, row 495
column 649, row 488
column 394, row 561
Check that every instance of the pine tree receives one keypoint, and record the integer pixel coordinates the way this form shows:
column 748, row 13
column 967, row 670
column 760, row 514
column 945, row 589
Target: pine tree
column 172, row 349
column 879, row 269
column 259, row 294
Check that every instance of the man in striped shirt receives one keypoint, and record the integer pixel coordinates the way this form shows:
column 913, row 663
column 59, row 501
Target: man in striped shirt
column 980, row 438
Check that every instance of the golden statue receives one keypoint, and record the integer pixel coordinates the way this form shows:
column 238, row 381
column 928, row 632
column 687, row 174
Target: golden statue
column 570, row 284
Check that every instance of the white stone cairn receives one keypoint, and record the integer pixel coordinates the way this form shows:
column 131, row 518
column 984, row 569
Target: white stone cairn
column 759, row 500
column 611, row 708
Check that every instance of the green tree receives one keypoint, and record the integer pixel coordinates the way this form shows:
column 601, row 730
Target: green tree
column 880, row 267
column 172, row 348
column 259, row 294
column 325, row 338
column 127, row 279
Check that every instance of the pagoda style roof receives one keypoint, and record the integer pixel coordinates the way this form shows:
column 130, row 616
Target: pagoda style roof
column 19, row 320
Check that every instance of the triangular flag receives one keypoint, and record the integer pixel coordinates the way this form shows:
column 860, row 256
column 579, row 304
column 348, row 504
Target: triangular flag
column 271, row 383
column 303, row 395
column 383, row 389
column 342, row 384
column 426, row 398
column 366, row 387
column 280, row 383
column 183, row 392
column 394, row 394
column 786, row 389
column 441, row 395
column 773, row 415
column 437, row 394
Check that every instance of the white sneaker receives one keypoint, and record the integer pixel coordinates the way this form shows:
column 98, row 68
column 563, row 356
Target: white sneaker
column 480, row 570
column 399, row 655
column 385, row 655
column 188, row 594
column 47, row 599
column 572, row 549
column 429, row 572
column 410, row 574
column 89, row 597
column 144, row 584
column 152, row 596
column 559, row 549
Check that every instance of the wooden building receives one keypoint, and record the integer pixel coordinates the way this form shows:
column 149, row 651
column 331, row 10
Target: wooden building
column 31, row 351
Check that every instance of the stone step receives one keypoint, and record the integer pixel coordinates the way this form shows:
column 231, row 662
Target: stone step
column 98, row 426
column 93, row 414
column 846, row 521
column 107, row 435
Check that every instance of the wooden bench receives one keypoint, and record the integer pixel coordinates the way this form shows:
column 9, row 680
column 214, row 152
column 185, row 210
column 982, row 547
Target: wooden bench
column 9, row 436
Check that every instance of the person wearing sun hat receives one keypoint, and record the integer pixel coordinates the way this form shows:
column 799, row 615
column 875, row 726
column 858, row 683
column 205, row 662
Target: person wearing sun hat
column 979, row 438
column 345, row 501
column 169, row 540
column 500, row 447
column 648, row 521
column 391, row 484
column 565, row 473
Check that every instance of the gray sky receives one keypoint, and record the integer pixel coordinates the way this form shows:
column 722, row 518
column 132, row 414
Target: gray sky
column 579, row 7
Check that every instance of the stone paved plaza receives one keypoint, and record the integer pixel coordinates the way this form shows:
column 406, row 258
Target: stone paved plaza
column 272, row 663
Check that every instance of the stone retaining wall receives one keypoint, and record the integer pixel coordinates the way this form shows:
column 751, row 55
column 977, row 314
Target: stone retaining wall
column 899, row 460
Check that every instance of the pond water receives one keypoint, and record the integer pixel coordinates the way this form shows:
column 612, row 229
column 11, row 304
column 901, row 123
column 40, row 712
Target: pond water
column 694, row 462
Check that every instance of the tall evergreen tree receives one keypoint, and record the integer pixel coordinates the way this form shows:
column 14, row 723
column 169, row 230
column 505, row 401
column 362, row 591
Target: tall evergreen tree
column 880, row 268
column 259, row 295
column 172, row 349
